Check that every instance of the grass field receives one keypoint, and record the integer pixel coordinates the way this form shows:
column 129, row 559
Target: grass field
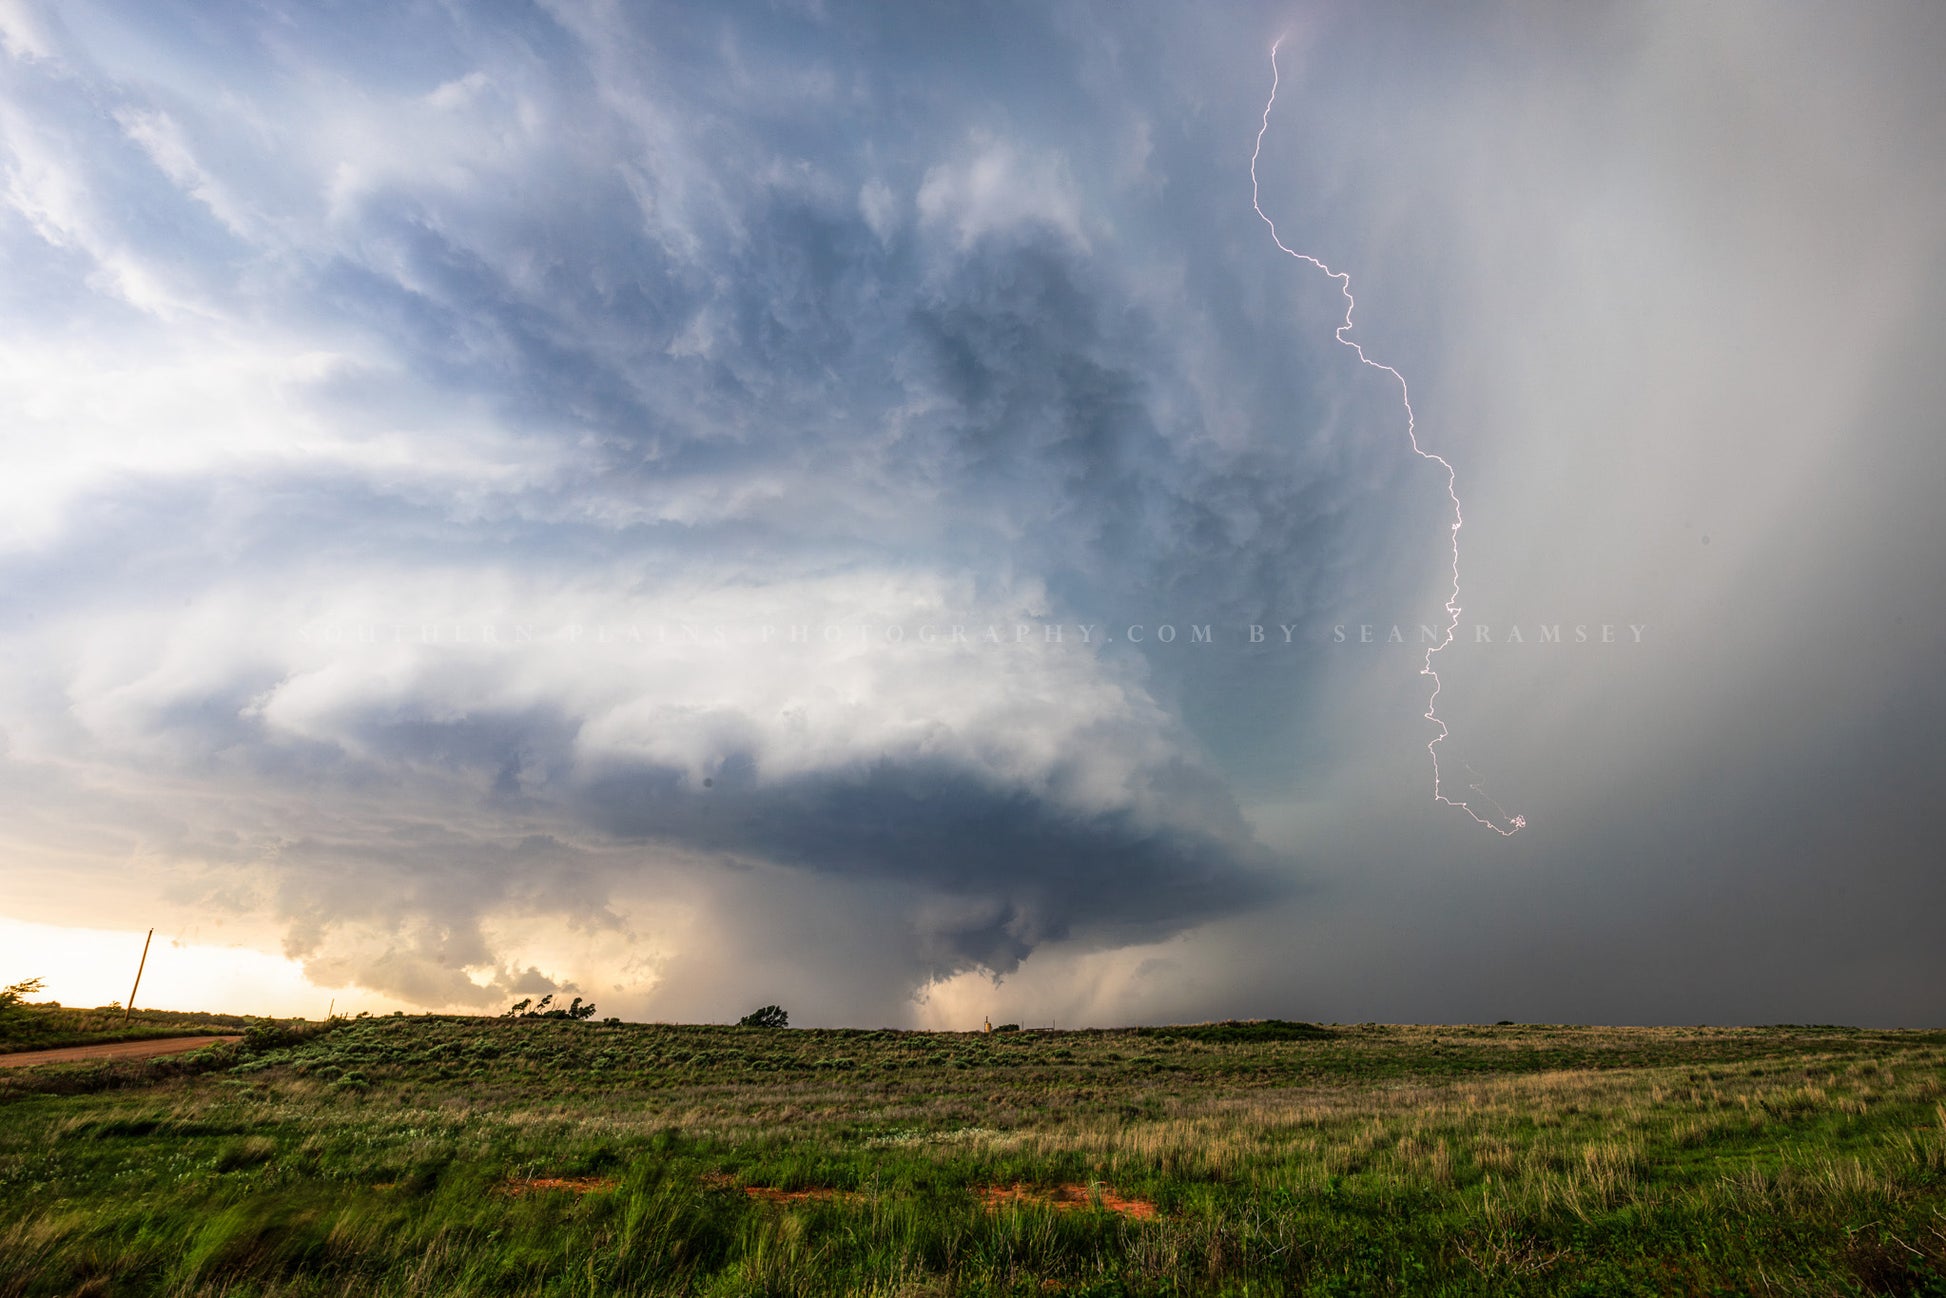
column 452, row 1155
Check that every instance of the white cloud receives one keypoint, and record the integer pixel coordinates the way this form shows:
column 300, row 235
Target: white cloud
column 161, row 137
column 880, row 208
column 52, row 192
column 21, row 32
column 996, row 187
column 88, row 416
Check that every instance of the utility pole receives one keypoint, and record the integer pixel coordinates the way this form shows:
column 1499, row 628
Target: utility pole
column 130, row 1007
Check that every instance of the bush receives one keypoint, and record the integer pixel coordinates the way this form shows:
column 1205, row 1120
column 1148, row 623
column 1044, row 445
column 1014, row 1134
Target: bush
column 113, row 1074
column 13, row 1004
column 272, row 1035
column 15, row 993
column 1240, row 1030
column 769, row 1016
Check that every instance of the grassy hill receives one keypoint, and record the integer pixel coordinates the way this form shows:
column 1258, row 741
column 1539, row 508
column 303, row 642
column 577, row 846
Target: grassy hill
column 36, row 1026
column 442, row 1155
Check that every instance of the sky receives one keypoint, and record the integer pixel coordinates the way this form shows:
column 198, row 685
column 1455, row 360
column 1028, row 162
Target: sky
column 848, row 506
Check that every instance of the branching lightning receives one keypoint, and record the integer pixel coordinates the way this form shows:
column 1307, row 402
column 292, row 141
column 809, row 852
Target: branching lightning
column 1513, row 824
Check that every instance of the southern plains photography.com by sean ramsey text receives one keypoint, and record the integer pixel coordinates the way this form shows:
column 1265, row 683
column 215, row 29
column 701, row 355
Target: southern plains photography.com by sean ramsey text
column 960, row 633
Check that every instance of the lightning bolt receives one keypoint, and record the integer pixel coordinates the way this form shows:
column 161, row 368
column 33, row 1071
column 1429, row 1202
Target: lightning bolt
column 1514, row 824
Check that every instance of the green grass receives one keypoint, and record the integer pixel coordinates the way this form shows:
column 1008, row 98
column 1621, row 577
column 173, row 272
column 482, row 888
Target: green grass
column 395, row 1155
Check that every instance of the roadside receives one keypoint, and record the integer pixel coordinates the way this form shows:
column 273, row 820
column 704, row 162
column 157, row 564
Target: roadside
column 113, row 1050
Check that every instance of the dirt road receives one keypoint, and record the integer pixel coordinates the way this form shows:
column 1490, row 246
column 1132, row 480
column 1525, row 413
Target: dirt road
column 116, row 1050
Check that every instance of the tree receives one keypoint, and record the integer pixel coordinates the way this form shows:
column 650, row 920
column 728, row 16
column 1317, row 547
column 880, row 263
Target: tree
column 770, row 1016
column 526, row 1009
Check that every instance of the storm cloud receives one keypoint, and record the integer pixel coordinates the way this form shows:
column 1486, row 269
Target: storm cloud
column 681, row 503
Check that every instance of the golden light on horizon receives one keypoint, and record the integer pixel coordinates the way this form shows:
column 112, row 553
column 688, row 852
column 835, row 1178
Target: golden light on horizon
column 86, row 967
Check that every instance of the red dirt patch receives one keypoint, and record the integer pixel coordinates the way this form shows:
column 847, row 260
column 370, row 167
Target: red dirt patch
column 1071, row 1197
column 572, row 1184
column 770, row 1194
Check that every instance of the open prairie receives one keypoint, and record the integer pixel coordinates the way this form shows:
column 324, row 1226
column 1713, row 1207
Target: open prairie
column 446, row 1155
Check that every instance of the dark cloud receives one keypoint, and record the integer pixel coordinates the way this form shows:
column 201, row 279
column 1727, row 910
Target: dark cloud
column 567, row 316
column 1043, row 872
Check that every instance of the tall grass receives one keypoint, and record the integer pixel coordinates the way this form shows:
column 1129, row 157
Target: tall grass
column 398, row 1156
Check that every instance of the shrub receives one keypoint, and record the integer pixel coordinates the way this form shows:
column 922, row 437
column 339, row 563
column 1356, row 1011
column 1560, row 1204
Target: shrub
column 1240, row 1030
column 768, row 1016
column 13, row 1004
column 272, row 1035
column 15, row 993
